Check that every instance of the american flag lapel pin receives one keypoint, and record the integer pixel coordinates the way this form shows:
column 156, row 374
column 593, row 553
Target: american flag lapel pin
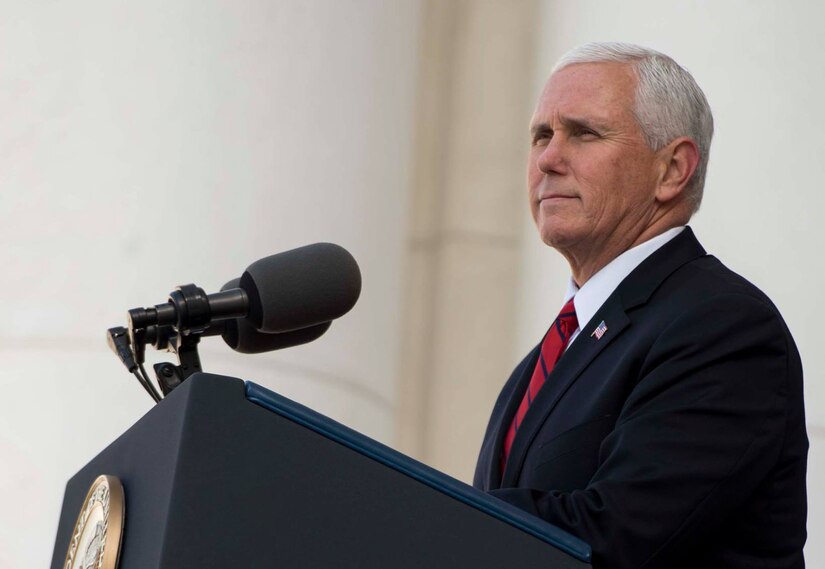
column 599, row 331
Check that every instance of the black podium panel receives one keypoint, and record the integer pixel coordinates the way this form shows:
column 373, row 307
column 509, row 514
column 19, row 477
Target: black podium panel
column 213, row 479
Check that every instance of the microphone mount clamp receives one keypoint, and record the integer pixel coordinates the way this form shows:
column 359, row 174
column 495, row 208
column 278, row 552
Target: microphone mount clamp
column 177, row 326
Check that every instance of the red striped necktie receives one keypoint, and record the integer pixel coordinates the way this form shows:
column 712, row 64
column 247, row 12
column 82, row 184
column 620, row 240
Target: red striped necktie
column 552, row 347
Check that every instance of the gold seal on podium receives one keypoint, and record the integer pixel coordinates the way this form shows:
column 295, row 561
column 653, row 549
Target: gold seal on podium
column 95, row 542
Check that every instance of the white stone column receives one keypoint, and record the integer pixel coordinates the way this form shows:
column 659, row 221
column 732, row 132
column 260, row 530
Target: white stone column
column 464, row 245
column 150, row 144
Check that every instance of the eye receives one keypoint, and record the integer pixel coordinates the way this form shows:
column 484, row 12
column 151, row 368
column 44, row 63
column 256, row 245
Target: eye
column 586, row 133
column 542, row 137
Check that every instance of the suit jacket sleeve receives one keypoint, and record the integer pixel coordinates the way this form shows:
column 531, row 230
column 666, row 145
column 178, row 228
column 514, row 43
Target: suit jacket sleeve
column 700, row 431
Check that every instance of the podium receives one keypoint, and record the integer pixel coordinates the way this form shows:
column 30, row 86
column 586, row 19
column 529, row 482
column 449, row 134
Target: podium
column 225, row 473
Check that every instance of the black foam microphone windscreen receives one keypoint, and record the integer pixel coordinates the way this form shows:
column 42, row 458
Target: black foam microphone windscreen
column 302, row 287
column 241, row 335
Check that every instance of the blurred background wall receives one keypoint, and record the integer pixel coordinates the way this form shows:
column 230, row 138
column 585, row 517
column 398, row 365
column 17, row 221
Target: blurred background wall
column 146, row 145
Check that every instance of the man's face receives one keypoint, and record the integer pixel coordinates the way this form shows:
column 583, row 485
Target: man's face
column 590, row 175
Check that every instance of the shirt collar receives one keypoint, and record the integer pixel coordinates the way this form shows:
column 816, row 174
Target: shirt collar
column 590, row 297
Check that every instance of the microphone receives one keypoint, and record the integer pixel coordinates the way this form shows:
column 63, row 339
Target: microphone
column 280, row 301
column 300, row 288
column 289, row 291
column 241, row 335
column 238, row 333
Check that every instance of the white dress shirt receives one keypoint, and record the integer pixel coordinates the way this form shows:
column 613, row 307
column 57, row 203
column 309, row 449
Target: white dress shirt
column 589, row 298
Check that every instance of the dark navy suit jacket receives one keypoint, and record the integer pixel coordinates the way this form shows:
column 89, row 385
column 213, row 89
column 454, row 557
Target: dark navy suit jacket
column 678, row 438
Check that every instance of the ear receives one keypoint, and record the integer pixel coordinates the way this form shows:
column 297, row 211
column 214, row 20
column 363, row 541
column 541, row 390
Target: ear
column 678, row 163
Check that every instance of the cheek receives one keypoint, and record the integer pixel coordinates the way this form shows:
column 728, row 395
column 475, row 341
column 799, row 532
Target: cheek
column 608, row 182
column 534, row 178
column 595, row 185
column 534, row 175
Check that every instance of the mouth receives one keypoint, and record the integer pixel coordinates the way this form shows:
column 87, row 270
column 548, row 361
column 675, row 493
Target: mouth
column 554, row 198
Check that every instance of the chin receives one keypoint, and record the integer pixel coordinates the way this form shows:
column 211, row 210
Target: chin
column 556, row 235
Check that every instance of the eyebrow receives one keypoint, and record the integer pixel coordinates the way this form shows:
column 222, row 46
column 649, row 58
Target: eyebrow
column 540, row 127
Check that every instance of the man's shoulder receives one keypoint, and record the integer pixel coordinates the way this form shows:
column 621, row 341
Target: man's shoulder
column 704, row 301
column 706, row 279
column 681, row 275
column 681, row 288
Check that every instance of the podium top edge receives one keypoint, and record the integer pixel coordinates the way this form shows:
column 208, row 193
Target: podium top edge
column 438, row 480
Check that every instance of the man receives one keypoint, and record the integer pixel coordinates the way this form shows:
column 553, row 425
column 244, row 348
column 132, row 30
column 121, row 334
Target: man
column 661, row 417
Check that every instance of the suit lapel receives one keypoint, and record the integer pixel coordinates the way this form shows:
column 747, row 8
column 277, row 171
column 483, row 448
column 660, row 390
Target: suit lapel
column 493, row 472
column 633, row 291
column 574, row 361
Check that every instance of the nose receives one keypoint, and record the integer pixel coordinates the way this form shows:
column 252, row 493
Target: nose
column 551, row 157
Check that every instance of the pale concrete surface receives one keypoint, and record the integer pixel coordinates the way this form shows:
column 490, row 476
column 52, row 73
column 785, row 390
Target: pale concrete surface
column 463, row 244
column 149, row 145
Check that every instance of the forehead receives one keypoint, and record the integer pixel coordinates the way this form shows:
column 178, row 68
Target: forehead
column 601, row 91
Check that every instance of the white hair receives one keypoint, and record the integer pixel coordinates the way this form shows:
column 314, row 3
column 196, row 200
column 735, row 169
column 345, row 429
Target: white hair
column 668, row 104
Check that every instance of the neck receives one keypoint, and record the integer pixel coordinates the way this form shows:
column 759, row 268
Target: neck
column 586, row 263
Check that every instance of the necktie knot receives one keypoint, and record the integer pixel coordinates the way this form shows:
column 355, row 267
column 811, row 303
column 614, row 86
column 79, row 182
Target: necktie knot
column 567, row 321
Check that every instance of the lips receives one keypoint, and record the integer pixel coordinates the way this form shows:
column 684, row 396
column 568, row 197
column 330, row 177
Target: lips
column 554, row 197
